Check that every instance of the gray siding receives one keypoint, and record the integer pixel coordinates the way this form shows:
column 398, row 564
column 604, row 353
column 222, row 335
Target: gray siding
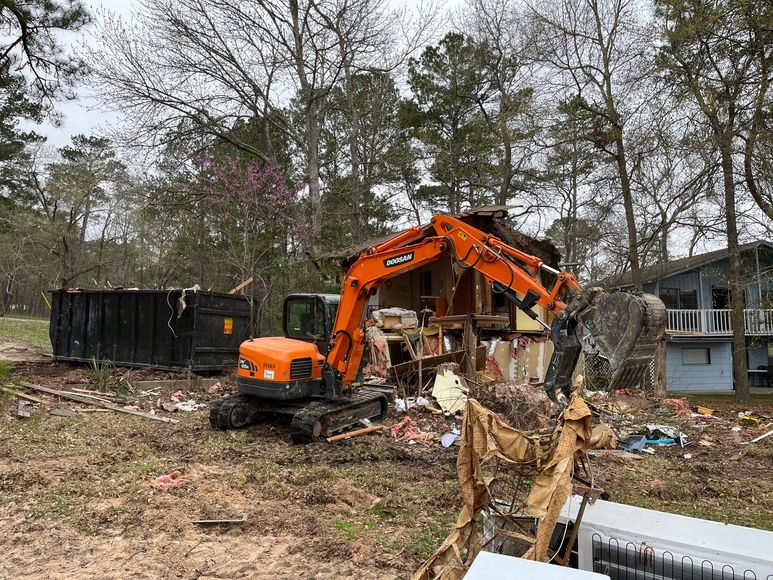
column 685, row 282
column 715, row 376
column 758, row 355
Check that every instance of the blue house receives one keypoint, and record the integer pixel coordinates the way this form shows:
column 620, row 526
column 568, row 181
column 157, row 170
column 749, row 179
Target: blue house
column 696, row 293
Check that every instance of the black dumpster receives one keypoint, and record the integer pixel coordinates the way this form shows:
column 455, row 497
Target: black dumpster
column 170, row 330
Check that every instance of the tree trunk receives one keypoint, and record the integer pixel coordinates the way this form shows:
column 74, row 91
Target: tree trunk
column 354, row 157
column 735, row 281
column 630, row 220
column 312, row 160
column 310, row 101
column 507, row 161
column 661, row 380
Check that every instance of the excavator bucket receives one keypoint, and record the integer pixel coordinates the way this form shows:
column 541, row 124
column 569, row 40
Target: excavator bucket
column 627, row 328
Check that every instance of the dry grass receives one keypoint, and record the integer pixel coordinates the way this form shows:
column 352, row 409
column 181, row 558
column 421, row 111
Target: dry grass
column 74, row 492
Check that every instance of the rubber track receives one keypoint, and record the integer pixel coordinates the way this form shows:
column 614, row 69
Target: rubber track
column 222, row 412
column 304, row 420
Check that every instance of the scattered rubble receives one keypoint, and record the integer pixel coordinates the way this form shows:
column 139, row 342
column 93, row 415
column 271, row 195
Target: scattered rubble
column 168, row 480
column 450, row 390
column 407, row 430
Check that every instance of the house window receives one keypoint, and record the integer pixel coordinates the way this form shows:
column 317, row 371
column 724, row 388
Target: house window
column 688, row 299
column 670, row 297
column 720, row 298
column 696, row 356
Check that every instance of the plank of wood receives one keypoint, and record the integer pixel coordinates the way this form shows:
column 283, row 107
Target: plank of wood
column 355, row 433
column 94, row 397
column 241, row 286
column 98, row 393
column 23, row 395
column 429, row 362
column 238, row 521
column 96, row 403
column 24, row 410
column 62, row 412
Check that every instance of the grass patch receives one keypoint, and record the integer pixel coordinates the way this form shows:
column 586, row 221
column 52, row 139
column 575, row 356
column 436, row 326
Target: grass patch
column 709, row 400
column 33, row 331
column 4, row 370
column 61, row 507
column 424, row 541
column 348, row 528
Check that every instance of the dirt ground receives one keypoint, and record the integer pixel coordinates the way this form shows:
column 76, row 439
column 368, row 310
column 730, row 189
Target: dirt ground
column 76, row 498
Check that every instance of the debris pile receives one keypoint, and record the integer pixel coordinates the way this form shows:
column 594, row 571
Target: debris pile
column 492, row 458
column 84, row 401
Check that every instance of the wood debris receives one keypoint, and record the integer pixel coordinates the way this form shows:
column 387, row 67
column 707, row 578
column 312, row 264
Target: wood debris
column 81, row 398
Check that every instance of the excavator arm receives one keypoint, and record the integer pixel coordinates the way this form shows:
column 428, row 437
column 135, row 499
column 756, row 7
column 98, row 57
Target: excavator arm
column 625, row 326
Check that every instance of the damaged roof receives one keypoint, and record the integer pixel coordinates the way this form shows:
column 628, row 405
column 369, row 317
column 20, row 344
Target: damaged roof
column 543, row 249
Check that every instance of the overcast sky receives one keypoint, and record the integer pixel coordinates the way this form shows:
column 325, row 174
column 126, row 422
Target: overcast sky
column 83, row 115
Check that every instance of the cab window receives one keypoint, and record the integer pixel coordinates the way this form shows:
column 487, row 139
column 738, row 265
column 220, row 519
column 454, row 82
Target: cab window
column 305, row 318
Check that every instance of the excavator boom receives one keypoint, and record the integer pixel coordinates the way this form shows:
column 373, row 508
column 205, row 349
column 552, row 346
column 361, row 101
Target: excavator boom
column 292, row 374
column 625, row 326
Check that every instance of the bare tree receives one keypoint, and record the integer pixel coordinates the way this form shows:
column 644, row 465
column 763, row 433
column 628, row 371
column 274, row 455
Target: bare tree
column 502, row 27
column 602, row 49
column 674, row 175
column 716, row 55
column 218, row 62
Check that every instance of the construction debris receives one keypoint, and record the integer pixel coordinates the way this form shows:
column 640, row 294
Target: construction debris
column 485, row 437
column 356, row 433
column 408, row 431
column 395, row 318
column 450, row 390
column 24, row 410
column 402, row 405
column 97, row 403
column 168, row 480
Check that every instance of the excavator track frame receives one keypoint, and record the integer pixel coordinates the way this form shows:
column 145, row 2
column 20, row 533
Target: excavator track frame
column 326, row 417
column 312, row 419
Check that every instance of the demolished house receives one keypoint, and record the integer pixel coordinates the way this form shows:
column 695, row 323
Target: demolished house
column 441, row 313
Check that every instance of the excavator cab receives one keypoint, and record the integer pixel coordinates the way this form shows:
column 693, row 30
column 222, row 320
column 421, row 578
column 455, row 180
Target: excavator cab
column 310, row 318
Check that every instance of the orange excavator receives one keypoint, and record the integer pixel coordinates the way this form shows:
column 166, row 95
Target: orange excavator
column 311, row 371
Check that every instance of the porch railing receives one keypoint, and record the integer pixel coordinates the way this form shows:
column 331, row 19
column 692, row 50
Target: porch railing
column 714, row 321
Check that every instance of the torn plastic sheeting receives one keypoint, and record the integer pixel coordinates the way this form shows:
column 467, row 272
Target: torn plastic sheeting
column 402, row 405
column 450, row 390
column 485, row 437
column 633, row 443
column 659, row 432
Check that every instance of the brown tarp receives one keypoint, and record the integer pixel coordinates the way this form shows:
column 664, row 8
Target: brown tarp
column 486, row 437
